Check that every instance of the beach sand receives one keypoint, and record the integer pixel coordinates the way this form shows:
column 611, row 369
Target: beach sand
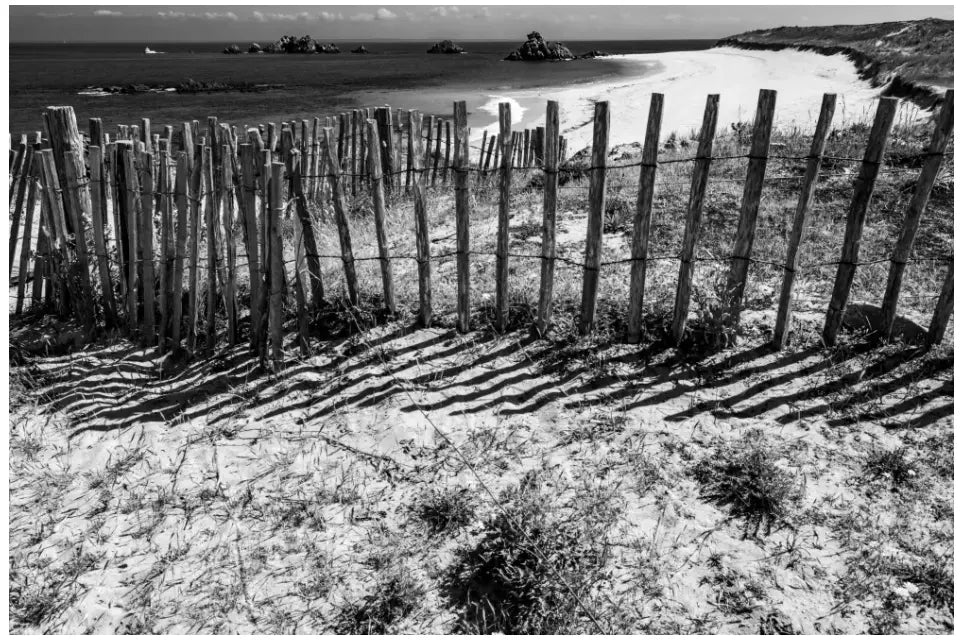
column 686, row 78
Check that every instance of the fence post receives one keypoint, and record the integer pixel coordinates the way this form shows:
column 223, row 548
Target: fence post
column 248, row 173
column 598, row 197
column 389, row 157
column 428, row 148
column 17, row 166
column 308, row 237
column 355, row 161
column 863, row 190
column 792, row 263
column 77, row 199
column 211, row 211
column 420, row 222
column 446, row 155
column 502, row 309
column 179, row 248
column 195, row 199
column 698, row 189
column 750, row 205
column 30, row 175
column 551, row 152
column 379, row 214
column 145, row 234
column 462, row 196
column 230, row 249
column 99, row 211
column 641, row 225
column 65, row 136
column 276, row 263
column 23, row 178
column 941, row 313
column 911, row 222
column 166, row 229
column 343, row 227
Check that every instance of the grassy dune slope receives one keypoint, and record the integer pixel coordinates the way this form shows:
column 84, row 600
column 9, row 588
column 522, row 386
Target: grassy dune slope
column 908, row 56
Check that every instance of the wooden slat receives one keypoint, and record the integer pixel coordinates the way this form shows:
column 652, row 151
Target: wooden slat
column 550, row 184
column 145, row 235
column 750, row 205
column 941, row 313
column 641, row 225
column 379, row 214
column 424, row 285
column 461, row 165
column 918, row 203
column 30, row 175
column 275, row 210
column 691, row 232
column 792, row 263
column 598, row 200
column 99, row 214
column 179, row 247
column 857, row 216
column 502, row 303
column 343, row 225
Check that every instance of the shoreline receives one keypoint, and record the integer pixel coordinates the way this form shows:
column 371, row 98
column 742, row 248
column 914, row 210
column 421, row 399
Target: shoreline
column 687, row 77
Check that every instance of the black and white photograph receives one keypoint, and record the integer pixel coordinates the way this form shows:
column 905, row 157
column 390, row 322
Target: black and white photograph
column 527, row 318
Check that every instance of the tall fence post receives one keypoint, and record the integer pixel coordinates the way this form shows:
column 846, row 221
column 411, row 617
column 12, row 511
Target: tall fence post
column 862, row 192
column 462, row 196
column 750, row 205
column 503, row 229
column 179, row 248
column 941, row 313
column 77, row 199
column 275, row 209
column 211, row 227
column 641, row 225
column 911, row 221
column 551, row 154
column 691, row 232
column 340, row 213
column 30, row 175
column 792, row 264
column 379, row 214
column 23, row 180
column 230, row 248
column 598, row 199
column 99, row 213
column 195, row 199
column 420, row 221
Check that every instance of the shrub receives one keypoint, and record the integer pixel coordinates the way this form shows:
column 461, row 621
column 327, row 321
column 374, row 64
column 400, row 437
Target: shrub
column 445, row 511
column 891, row 464
column 530, row 570
column 744, row 477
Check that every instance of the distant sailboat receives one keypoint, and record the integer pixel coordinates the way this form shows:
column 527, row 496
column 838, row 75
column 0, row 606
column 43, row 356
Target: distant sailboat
column 150, row 52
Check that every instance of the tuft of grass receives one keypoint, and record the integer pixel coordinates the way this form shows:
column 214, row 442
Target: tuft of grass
column 894, row 465
column 736, row 592
column 445, row 511
column 530, row 570
column 744, row 477
column 394, row 598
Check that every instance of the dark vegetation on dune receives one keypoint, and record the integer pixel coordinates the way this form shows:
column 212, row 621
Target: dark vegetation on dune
column 905, row 57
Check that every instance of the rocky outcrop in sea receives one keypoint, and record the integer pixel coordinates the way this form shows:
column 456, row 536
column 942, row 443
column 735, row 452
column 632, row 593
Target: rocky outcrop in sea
column 536, row 48
column 360, row 49
column 287, row 44
column 446, row 46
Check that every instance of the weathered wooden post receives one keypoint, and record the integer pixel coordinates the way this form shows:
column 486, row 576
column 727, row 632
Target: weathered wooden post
column 911, row 221
column 99, row 211
column 598, row 199
column 340, row 213
column 502, row 308
column 550, row 182
column 862, row 192
column 446, row 156
column 23, row 181
column 425, row 314
column 750, row 205
column 644, row 216
column 462, row 197
column 145, row 235
column 276, row 262
column 180, row 246
column 308, row 238
column 230, row 248
column 211, row 226
column 29, row 175
column 379, row 215
column 195, row 195
column 691, row 231
column 941, row 313
column 792, row 263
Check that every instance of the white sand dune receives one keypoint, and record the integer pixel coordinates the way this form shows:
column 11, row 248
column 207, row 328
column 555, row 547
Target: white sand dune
column 687, row 77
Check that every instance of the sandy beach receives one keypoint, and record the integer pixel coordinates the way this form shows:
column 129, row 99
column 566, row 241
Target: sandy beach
column 686, row 78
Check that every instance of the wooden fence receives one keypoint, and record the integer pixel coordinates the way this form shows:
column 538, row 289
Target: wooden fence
column 150, row 188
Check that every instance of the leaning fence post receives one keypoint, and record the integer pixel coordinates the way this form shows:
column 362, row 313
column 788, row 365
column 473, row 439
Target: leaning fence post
column 551, row 180
column 792, row 263
column 698, row 189
column 641, row 225
column 911, row 222
column 30, row 175
column 166, row 230
column 379, row 214
column 145, row 233
column 420, row 223
column 502, row 308
column 77, row 200
column 598, row 197
column 276, row 262
column 446, row 154
column 180, row 246
column 195, row 194
column 229, row 249
column 24, row 179
column 308, row 238
column 863, row 190
column 343, row 227
column 941, row 313
column 211, row 218
column 99, row 211
column 462, row 196
column 750, row 205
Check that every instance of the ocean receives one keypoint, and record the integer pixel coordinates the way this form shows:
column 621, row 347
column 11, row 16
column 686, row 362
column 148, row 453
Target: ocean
column 400, row 74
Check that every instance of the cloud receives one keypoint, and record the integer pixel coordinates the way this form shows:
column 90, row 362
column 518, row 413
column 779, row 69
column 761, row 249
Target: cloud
column 483, row 12
column 53, row 15
column 362, row 17
column 229, row 15
column 443, row 11
column 172, row 15
column 327, row 16
column 385, row 14
column 107, row 12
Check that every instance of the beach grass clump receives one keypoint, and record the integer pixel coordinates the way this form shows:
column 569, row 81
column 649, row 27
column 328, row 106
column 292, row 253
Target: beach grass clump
column 445, row 510
column 894, row 465
column 531, row 571
column 394, row 597
column 744, row 477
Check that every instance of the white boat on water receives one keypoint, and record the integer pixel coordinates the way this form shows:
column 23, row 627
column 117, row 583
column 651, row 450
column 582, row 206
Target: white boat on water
column 150, row 52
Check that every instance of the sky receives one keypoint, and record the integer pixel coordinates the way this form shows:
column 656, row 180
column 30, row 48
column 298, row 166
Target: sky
column 267, row 22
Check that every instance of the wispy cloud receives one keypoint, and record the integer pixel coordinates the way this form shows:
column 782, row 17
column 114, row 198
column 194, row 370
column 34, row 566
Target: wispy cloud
column 229, row 15
column 385, row 14
column 53, row 15
column 362, row 17
column 328, row 16
column 107, row 12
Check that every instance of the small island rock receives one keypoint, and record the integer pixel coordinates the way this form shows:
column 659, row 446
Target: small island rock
column 232, row 50
column 255, row 48
column 446, row 46
column 360, row 49
column 536, row 48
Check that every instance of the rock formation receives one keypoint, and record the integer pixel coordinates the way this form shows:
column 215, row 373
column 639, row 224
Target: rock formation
column 594, row 53
column 446, row 46
column 232, row 50
column 255, row 48
column 536, row 48
column 360, row 49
